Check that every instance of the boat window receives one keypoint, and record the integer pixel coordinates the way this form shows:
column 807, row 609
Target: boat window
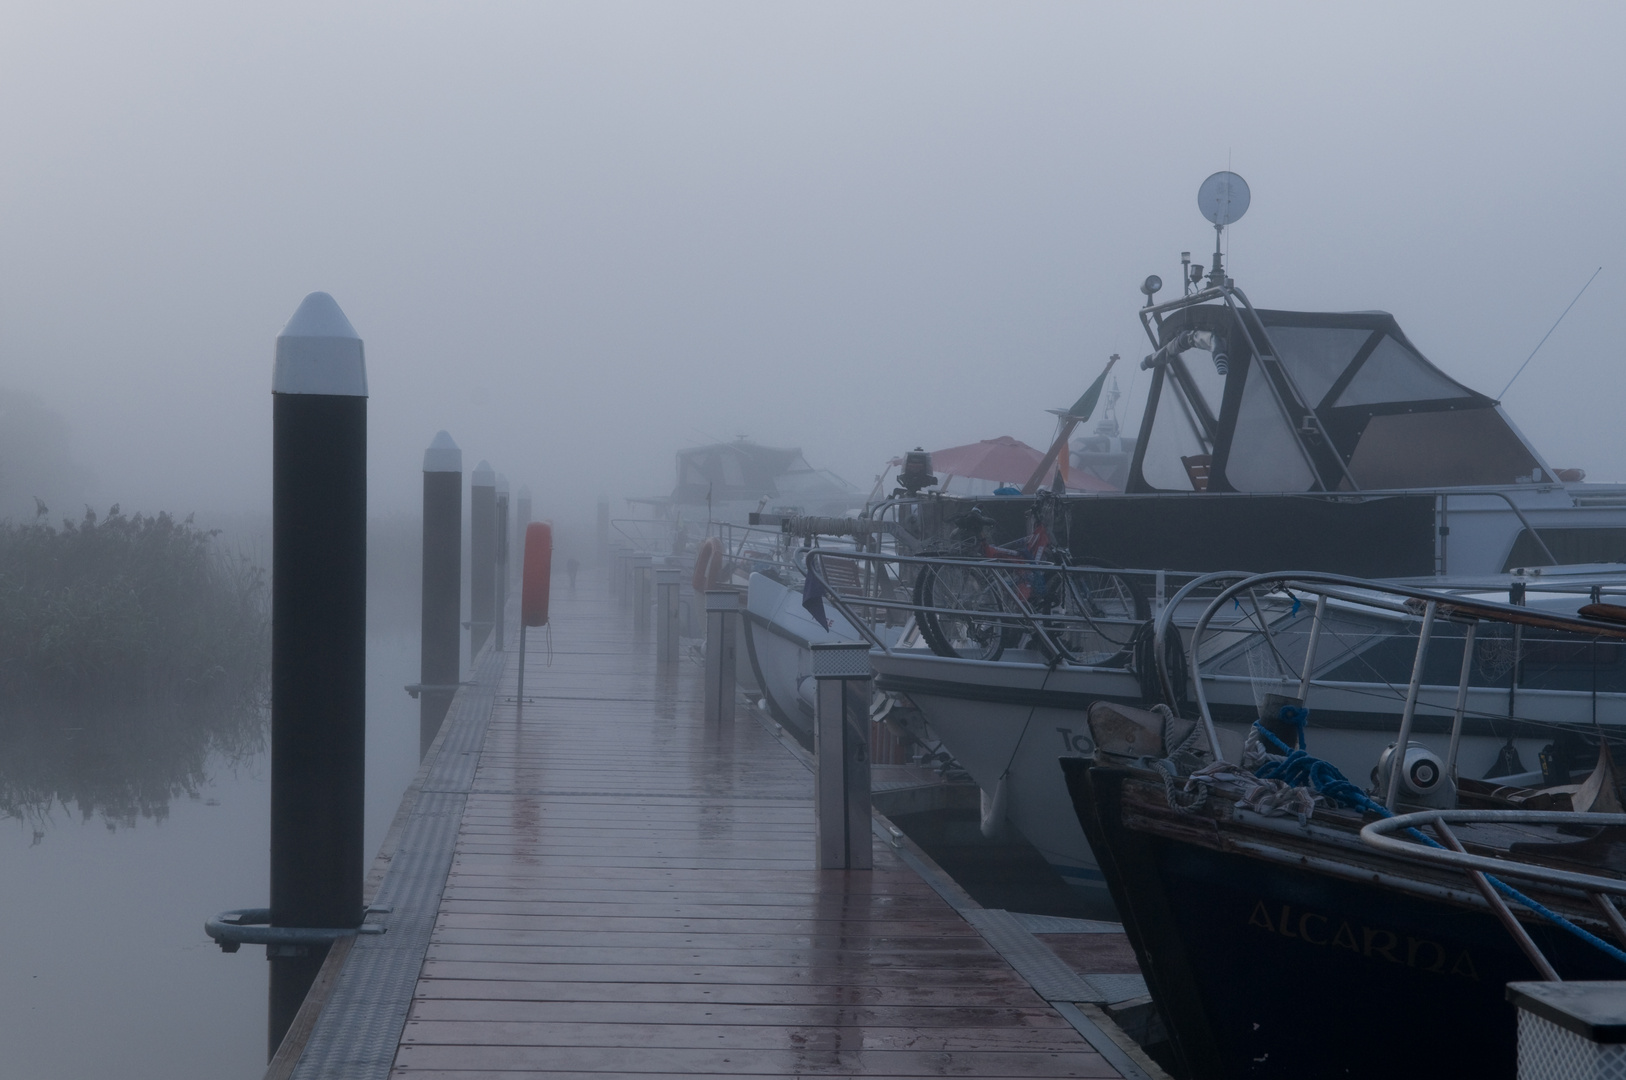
column 1317, row 355
column 1395, row 373
column 1569, row 546
column 1265, row 454
column 1449, row 448
column 1210, row 383
column 1173, row 436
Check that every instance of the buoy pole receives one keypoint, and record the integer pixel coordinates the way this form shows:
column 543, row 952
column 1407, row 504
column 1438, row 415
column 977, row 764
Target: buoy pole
column 536, row 576
column 318, row 640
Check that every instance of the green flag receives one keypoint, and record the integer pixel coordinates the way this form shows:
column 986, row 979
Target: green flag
column 1085, row 405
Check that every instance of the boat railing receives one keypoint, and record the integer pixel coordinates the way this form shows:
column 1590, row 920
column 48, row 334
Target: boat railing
column 1380, row 834
column 1262, row 602
column 754, row 546
column 976, row 607
column 646, row 535
column 1487, row 872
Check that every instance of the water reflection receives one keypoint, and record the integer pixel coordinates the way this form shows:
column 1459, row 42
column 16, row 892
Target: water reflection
column 122, row 763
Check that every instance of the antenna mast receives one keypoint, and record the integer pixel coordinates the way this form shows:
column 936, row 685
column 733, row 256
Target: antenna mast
column 1223, row 198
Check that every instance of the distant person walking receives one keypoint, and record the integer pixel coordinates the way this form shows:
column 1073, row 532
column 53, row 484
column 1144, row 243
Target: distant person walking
column 571, row 566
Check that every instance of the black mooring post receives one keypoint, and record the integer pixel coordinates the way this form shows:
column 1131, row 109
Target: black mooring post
column 500, row 604
column 522, row 519
column 601, row 534
column 482, row 555
column 440, row 659
column 318, row 640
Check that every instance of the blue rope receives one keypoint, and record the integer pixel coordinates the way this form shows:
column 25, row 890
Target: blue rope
column 1299, row 768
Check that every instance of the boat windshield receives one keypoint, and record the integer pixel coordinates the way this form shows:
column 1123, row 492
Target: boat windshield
column 1222, row 417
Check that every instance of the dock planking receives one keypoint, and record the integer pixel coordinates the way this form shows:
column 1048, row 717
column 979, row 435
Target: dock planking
column 632, row 894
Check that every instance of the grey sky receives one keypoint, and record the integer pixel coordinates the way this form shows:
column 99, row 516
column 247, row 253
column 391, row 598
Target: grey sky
column 579, row 236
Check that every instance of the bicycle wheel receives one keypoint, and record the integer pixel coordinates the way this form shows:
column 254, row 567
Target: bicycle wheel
column 958, row 608
column 1103, row 610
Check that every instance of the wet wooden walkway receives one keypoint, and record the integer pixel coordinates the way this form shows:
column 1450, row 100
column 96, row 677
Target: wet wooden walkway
column 632, row 894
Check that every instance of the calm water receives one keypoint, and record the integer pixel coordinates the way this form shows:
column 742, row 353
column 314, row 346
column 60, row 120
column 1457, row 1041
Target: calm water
column 104, row 967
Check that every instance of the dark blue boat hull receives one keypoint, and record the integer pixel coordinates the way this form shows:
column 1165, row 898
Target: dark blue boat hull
column 1265, row 970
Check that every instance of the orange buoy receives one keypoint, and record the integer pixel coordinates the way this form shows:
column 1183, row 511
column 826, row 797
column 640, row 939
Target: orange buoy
column 533, row 603
column 708, row 564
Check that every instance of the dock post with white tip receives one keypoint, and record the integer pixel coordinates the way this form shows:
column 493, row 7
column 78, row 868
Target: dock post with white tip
column 841, row 760
column 440, row 654
column 499, row 603
column 482, row 556
column 318, row 640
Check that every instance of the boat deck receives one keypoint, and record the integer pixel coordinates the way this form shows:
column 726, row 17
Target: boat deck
column 631, row 892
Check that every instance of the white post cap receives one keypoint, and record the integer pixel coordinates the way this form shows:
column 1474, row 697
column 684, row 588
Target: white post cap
column 484, row 475
column 319, row 352
column 502, row 484
column 443, row 455
column 722, row 600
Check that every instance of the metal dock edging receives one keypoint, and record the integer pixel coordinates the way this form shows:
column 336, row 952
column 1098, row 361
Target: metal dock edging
column 1032, row 959
column 351, row 1021
column 1049, row 976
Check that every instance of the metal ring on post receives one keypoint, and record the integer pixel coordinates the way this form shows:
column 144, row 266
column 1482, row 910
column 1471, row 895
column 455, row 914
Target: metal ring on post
column 250, row 926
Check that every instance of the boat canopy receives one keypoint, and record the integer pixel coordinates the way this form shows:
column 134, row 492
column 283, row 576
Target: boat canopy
column 1246, row 400
column 743, row 470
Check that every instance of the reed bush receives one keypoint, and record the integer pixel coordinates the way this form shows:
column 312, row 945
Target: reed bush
column 131, row 650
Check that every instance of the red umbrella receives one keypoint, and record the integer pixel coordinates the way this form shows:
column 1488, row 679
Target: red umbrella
column 1003, row 459
column 998, row 459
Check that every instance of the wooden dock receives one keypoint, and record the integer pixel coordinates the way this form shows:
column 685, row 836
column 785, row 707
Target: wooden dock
column 631, row 893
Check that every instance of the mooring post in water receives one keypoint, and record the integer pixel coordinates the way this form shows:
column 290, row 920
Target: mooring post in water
column 500, row 603
column 612, row 576
column 722, row 609
column 482, row 555
column 522, row 521
column 643, row 567
column 667, row 582
column 841, row 813
column 318, row 640
column 602, row 534
column 440, row 663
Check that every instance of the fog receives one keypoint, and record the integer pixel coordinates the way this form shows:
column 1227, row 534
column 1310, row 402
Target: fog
column 580, row 236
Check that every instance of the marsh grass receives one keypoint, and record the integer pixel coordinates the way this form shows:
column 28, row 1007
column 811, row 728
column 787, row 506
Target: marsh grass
column 132, row 651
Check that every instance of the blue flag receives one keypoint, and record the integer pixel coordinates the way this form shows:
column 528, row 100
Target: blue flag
column 813, row 593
